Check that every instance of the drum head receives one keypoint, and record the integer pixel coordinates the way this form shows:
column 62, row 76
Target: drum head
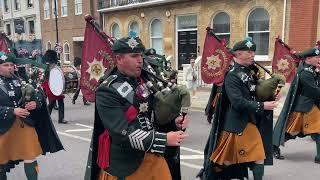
column 56, row 81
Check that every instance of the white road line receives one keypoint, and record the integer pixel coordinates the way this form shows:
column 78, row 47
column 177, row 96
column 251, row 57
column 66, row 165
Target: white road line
column 181, row 162
column 74, row 136
column 78, row 130
column 190, row 165
column 83, row 125
column 191, row 156
column 191, row 150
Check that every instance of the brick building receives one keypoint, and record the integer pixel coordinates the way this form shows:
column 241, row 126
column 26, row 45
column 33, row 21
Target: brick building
column 71, row 25
column 177, row 27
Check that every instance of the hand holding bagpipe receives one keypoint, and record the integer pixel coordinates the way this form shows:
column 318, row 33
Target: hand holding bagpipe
column 27, row 92
column 182, row 122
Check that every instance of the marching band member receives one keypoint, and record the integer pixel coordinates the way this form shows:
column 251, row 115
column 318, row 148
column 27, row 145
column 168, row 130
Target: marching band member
column 300, row 115
column 24, row 135
column 125, row 144
column 51, row 58
column 77, row 65
column 235, row 142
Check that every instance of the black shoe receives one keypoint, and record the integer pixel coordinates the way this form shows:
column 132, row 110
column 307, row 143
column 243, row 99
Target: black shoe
column 317, row 160
column 86, row 103
column 209, row 119
column 63, row 121
column 277, row 153
column 73, row 101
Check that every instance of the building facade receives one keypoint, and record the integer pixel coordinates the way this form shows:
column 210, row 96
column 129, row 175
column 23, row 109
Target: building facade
column 70, row 25
column 22, row 24
column 177, row 28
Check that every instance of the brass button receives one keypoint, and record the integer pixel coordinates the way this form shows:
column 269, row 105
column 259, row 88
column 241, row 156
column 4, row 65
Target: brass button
column 124, row 132
column 241, row 152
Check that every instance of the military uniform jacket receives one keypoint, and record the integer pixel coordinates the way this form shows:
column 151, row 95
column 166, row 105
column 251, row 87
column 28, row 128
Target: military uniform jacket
column 239, row 88
column 10, row 98
column 304, row 92
column 123, row 108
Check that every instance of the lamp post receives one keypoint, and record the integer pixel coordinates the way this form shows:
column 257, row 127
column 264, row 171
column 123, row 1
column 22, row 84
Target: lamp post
column 56, row 20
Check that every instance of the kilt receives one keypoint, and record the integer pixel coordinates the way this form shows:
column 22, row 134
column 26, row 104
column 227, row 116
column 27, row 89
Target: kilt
column 239, row 148
column 304, row 123
column 19, row 143
column 153, row 167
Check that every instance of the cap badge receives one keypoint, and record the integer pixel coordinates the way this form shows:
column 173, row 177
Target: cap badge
column 132, row 43
column 249, row 44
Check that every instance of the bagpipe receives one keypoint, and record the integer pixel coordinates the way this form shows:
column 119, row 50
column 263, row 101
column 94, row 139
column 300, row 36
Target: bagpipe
column 269, row 88
column 170, row 100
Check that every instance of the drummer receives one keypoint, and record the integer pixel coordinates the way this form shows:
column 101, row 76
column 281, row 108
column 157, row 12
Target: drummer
column 51, row 58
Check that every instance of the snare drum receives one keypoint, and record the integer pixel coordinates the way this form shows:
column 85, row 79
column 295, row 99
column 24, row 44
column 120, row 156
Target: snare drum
column 65, row 80
column 72, row 79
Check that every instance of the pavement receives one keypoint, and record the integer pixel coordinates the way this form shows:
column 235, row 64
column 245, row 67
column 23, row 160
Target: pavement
column 75, row 136
column 200, row 101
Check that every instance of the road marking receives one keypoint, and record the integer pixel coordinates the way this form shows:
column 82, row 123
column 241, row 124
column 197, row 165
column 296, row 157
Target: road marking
column 191, row 156
column 78, row 130
column 83, row 125
column 181, row 162
column 74, row 136
column 191, row 150
column 190, row 165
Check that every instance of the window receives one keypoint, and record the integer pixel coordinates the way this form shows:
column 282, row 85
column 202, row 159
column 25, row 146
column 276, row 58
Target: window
column 6, row 6
column 115, row 31
column 114, row 2
column 54, row 8
column 31, row 27
column 46, row 9
column 29, row 3
column 66, row 52
column 78, row 7
column 17, row 5
column 258, row 29
column 156, row 39
column 134, row 30
column 49, row 45
column 221, row 26
column 64, row 8
column 8, row 29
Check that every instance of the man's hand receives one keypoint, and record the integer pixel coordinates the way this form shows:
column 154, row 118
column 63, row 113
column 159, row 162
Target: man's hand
column 182, row 123
column 31, row 105
column 174, row 138
column 20, row 112
column 270, row 105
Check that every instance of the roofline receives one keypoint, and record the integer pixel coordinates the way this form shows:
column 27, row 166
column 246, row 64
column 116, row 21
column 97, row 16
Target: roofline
column 137, row 5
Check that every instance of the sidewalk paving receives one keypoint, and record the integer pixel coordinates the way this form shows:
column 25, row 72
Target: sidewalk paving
column 200, row 102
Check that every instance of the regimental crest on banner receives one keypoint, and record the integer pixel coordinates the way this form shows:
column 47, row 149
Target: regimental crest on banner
column 215, row 59
column 284, row 61
column 96, row 67
column 97, row 58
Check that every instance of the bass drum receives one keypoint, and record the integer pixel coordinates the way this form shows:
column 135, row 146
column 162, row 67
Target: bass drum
column 72, row 79
column 56, row 81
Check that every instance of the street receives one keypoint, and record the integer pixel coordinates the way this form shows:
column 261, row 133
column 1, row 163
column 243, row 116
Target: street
column 70, row 164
